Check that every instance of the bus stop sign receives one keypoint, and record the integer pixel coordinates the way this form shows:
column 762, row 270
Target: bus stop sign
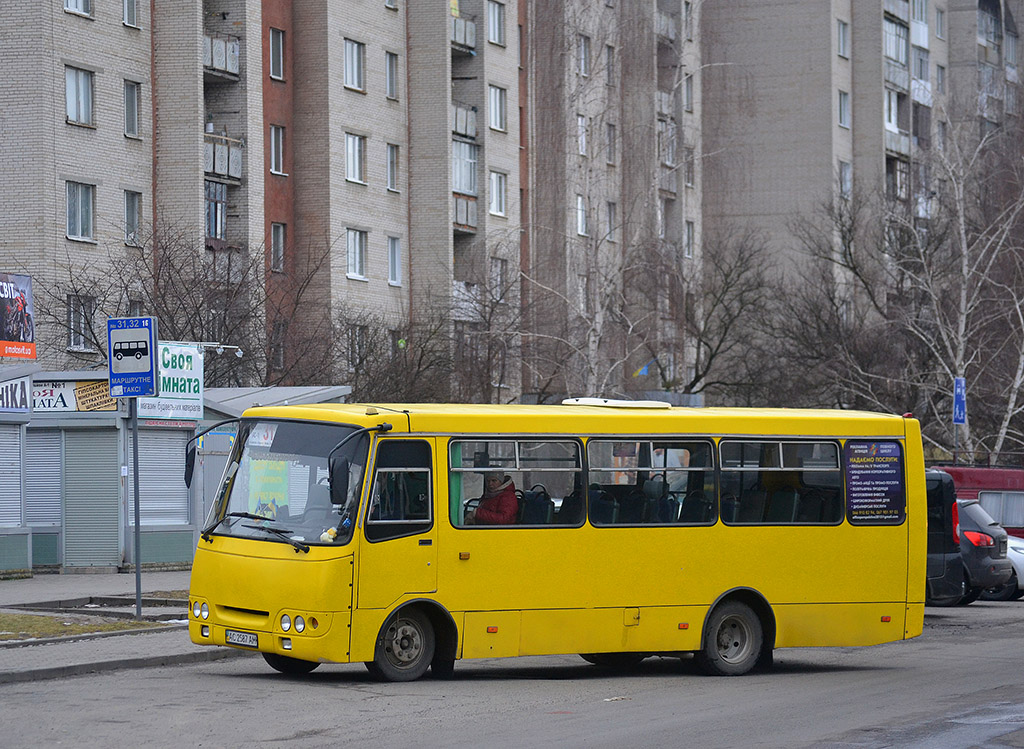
column 131, row 356
column 959, row 400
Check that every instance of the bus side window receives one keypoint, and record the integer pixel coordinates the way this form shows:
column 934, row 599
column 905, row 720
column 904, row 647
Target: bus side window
column 400, row 503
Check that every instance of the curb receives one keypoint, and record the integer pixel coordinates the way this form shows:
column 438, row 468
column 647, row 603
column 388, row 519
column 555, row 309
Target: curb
column 4, row 645
column 60, row 672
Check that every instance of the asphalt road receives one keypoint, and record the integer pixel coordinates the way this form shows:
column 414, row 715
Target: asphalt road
column 961, row 684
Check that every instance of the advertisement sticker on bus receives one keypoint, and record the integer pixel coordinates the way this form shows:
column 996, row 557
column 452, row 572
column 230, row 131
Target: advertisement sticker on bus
column 874, row 482
column 268, row 487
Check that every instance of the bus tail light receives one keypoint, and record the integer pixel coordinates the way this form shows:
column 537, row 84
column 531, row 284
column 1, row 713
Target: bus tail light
column 981, row 540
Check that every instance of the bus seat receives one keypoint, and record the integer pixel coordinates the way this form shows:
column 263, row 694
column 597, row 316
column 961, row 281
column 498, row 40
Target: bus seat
column 603, row 508
column 536, row 507
column 781, row 506
column 729, row 507
column 810, row 507
column 695, row 508
column 751, row 509
column 571, row 510
column 657, row 507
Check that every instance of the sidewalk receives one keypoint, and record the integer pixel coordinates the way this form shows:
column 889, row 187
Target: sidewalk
column 60, row 657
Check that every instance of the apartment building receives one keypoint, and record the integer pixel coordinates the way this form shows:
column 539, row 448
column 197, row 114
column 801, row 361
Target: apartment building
column 615, row 134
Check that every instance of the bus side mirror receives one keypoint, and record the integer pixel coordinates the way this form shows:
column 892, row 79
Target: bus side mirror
column 339, row 481
column 190, row 462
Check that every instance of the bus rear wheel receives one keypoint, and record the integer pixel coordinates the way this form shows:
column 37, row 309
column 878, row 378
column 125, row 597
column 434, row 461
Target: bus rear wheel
column 288, row 665
column 732, row 641
column 404, row 648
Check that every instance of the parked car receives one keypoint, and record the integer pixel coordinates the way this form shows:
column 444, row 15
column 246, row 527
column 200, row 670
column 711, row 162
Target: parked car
column 983, row 548
column 1013, row 589
column 944, row 584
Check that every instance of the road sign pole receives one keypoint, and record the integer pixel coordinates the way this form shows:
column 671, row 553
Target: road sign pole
column 133, row 410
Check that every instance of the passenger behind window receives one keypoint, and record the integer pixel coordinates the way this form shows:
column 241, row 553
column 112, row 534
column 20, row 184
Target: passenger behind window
column 498, row 505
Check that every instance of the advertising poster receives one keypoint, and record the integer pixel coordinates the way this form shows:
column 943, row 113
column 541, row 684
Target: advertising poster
column 874, row 482
column 17, row 329
column 268, row 487
column 66, row 396
column 181, row 383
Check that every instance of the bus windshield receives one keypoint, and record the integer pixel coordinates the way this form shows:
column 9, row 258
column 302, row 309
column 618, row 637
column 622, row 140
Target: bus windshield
column 276, row 486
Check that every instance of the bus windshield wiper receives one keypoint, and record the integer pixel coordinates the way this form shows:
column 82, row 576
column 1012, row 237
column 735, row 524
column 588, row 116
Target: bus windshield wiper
column 282, row 532
column 205, row 535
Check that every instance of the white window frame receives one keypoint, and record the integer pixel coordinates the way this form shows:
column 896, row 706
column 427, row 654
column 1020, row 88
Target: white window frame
column 355, row 244
column 1010, row 49
column 940, row 79
column 496, row 22
column 940, row 23
column 78, row 7
column 921, row 59
column 80, row 311
column 581, row 134
column 132, row 217
column 278, row 237
column 688, row 93
column 919, row 10
column 892, row 110
column 132, row 98
column 896, row 41
column 583, row 55
column 355, row 65
column 393, row 166
column 842, row 38
column 689, row 238
column 131, row 13
column 464, row 163
column 277, row 149
column 78, row 95
column 845, row 118
column 277, row 54
column 81, row 202
column 394, row 261
column 497, row 108
column 498, row 203
column 611, row 220
column 391, row 75
column 845, row 179
column 581, row 217
column 355, row 158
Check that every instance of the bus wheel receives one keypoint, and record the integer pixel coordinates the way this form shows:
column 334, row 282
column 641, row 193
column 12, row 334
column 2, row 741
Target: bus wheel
column 732, row 642
column 404, row 649
column 617, row 661
column 287, row 665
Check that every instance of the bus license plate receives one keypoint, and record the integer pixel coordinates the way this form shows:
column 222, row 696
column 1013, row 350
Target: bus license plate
column 245, row 639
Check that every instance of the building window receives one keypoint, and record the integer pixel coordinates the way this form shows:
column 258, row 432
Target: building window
column 581, row 216
column 392, row 167
column 132, row 216
column 78, row 93
column 611, row 221
column 940, row 135
column 921, row 125
column 688, row 239
column 583, row 54
column 940, row 79
column 496, row 103
column 667, row 142
column 356, row 245
column 499, row 186
column 80, row 314
column 216, row 209
column 689, row 167
column 276, row 149
column 499, row 275
column 897, row 173
column 919, row 10
column 394, row 261
column 393, row 4
column 843, row 39
column 355, row 158
column 896, row 116
column 355, row 65
column 464, row 158
column 80, row 203
column 131, row 12
column 609, row 143
column 920, row 67
column 277, row 54
column 940, row 23
column 277, row 238
column 844, row 109
column 495, row 22
column 278, row 338
column 688, row 93
column 391, row 75
column 897, row 38
column 662, row 216
column 82, row 7
column 581, row 135
column 609, row 65
column 845, row 179
column 688, row 20
column 131, row 109
column 1010, row 49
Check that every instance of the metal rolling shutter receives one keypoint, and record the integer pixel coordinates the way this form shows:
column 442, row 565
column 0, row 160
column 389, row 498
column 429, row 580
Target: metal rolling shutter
column 92, row 483
column 163, row 496
column 43, row 477
column 10, row 474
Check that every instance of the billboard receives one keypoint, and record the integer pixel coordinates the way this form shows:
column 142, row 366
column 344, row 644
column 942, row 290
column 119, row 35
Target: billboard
column 181, row 383
column 17, row 315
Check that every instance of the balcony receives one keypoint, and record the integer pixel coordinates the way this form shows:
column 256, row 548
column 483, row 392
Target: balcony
column 222, row 157
column 665, row 25
column 220, row 57
column 897, row 75
column 668, row 179
column 464, row 218
column 463, row 120
column 898, row 142
column 462, row 33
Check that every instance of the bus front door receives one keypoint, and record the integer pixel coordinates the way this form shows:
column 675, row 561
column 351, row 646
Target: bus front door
column 398, row 550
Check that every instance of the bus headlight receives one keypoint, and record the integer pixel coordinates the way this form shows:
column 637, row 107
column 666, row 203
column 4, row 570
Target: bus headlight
column 195, row 609
column 286, row 622
column 300, row 624
column 205, row 611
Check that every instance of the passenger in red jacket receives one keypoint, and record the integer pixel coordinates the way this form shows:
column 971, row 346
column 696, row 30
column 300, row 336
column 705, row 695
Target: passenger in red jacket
column 499, row 505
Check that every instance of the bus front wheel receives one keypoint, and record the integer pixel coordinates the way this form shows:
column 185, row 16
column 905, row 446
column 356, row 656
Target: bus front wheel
column 732, row 642
column 404, row 648
column 288, row 665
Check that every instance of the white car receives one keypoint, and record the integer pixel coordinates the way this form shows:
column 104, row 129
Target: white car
column 1014, row 587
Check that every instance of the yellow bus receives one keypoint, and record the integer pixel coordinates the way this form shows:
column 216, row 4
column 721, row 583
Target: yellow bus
column 408, row 537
